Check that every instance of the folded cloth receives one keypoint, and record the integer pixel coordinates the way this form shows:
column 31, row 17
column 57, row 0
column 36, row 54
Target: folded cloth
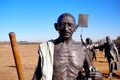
column 46, row 52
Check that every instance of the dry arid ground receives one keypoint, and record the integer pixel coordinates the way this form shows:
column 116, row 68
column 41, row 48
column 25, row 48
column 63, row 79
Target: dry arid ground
column 29, row 57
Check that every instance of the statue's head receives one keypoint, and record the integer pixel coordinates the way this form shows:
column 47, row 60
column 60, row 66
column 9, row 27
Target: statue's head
column 88, row 41
column 65, row 25
column 108, row 39
column 64, row 15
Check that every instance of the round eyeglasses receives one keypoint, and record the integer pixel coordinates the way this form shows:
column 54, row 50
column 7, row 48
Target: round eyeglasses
column 63, row 25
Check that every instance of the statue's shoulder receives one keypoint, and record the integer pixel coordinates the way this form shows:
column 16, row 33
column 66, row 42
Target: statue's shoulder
column 80, row 47
column 77, row 43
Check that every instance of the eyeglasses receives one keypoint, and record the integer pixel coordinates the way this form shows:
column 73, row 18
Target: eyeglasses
column 64, row 25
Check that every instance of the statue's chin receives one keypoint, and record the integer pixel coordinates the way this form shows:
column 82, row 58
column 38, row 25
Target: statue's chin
column 66, row 37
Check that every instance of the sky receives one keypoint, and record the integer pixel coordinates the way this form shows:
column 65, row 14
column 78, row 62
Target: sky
column 33, row 20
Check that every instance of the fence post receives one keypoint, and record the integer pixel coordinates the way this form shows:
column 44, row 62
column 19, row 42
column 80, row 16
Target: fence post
column 16, row 55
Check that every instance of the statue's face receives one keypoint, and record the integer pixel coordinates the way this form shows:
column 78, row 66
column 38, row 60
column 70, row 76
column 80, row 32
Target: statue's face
column 66, row 27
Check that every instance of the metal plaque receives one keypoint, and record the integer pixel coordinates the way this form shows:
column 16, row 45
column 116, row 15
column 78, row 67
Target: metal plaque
column 83, row 20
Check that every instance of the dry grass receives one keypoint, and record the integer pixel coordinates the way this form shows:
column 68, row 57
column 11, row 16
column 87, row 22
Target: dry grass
column 29, row 57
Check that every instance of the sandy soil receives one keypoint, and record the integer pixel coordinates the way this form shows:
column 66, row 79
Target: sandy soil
column 29, row 56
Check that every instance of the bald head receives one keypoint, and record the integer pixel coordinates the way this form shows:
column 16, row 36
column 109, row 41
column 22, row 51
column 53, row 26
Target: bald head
column 62, row 16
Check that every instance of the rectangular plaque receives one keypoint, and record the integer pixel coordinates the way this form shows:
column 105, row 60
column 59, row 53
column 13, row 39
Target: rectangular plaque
column 83, row 20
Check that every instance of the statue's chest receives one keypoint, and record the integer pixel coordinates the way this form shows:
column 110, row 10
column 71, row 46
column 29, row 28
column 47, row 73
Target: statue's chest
column 69, row 56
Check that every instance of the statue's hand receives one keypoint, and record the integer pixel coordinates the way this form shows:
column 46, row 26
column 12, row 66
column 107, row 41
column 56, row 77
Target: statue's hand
column 96, row 75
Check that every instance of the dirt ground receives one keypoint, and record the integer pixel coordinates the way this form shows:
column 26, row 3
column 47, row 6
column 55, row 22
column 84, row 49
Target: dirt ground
column 29, row 58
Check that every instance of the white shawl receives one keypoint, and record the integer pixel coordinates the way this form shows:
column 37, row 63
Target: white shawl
column 46, row 51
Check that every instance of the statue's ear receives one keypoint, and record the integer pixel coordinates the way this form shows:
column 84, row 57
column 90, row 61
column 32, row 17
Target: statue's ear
column 56, row 26
column 76, row 26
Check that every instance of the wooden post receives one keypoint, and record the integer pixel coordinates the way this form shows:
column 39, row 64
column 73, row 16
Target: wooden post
column 16, row 55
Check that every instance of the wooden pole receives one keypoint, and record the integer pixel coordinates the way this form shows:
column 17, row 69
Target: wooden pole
column 16, row 55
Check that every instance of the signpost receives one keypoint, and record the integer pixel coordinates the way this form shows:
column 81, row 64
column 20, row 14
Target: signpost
column 83, row 21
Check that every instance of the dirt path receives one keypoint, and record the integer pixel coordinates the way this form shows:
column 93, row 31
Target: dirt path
column 102, row 65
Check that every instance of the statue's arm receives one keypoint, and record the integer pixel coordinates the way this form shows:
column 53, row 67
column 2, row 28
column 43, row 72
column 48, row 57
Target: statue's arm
column 116, row 52
column 82, row 40
column 91, row 71
column 38, row 74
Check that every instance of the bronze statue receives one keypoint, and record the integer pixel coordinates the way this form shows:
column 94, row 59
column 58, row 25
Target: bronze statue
column 68, row 57
column 111, row 53
column 90, row 47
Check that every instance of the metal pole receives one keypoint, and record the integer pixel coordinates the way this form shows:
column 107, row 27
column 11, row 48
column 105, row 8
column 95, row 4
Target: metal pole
column 16, row 55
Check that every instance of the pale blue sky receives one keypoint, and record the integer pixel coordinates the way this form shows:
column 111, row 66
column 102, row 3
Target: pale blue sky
column 33, row 20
